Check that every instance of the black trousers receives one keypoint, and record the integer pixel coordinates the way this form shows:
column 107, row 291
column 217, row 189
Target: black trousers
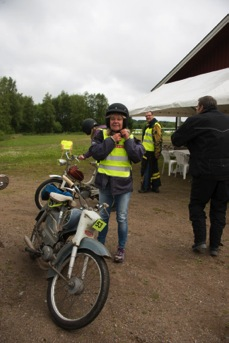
column 202, row 191
column 150, row 172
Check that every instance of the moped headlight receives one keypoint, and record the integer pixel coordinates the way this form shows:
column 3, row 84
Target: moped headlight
column 62, row 162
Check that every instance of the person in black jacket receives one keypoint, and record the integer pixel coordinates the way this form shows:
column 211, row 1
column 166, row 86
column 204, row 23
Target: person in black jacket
column 206, row 135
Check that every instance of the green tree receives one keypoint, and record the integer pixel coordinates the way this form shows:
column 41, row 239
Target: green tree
column 28, row 115
column 10, row 114
column 79, row 111
column 62, row 106
column 97, row 105
column 47, row 115
column 64, row 113
column 5, row 117
column 38, row 118
column 16, row 111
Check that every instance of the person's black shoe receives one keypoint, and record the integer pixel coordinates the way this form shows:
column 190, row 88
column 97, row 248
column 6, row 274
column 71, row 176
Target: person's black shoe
column 199, row 248
column 214, row 252
column 142, row 191
column 155, row 190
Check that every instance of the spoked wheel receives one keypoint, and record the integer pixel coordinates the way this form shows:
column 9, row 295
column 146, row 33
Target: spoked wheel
column 38, row 199
column 57, row 182
column 4, row 181
column 76, row 303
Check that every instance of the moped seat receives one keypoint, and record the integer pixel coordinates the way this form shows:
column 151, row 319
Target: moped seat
column 59, row 197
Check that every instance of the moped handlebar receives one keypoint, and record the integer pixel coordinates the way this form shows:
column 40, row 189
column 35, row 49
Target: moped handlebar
column 71, row 157
column 100, row 206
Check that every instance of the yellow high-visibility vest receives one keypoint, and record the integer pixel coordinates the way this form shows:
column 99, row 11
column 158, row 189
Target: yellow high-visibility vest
column 148, row 139
column 117, row 163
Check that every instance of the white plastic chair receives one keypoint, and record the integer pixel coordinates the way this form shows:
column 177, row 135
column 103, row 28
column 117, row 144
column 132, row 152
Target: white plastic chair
column 182, row 160
column 167, row 159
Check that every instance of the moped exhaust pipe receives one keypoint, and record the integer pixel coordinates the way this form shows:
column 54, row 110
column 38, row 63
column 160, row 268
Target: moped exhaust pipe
column 30, row 247
column 29, row 243
column 46, row 253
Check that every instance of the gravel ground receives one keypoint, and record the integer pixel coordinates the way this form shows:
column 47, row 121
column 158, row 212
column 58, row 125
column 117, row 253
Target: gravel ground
column 162, row 293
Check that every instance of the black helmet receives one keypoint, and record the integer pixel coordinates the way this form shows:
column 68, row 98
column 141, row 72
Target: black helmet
column 88, row 124
column 120, row 109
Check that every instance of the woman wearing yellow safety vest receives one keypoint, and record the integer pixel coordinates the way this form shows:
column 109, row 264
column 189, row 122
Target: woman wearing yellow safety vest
column 116, row 149
column 152, row 142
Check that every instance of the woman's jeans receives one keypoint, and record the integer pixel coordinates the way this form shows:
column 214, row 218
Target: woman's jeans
column 121, row 207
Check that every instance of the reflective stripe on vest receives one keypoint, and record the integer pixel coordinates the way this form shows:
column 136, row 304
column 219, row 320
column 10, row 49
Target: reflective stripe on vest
column 117, row 163
column 148, row 140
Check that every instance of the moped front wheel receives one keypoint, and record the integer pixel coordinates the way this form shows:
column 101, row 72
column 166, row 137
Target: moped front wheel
column 75, row 303
column 52, row 181
column 4, row 181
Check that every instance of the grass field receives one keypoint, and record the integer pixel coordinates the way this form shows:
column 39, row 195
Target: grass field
column 39, row 153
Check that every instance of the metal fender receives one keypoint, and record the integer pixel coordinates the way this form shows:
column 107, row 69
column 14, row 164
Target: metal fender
column 95, row 246
column 57, row 176
column 86, row 243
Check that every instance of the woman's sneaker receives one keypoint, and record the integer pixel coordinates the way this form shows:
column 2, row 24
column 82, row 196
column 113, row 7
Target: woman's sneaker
column 119, row 256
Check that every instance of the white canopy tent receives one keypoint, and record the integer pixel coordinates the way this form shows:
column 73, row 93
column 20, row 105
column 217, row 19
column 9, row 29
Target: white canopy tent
column 179, row 99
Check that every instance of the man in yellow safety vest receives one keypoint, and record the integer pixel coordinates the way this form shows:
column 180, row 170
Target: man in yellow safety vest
column 152, row 142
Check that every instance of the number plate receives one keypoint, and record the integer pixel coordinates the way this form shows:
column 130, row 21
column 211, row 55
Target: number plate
column 99, row 225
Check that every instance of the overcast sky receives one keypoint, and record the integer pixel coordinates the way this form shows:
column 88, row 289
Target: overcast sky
column 120, row 48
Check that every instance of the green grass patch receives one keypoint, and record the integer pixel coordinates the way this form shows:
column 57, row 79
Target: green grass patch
column 19, row 152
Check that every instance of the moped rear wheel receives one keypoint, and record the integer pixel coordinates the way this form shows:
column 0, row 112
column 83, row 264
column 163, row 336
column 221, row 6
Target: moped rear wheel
column 76, row 303
column 52, row 181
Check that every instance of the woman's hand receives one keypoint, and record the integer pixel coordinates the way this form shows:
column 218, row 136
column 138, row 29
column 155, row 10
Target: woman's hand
column 125, row 133
column 81, row 157
column 116, row 137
